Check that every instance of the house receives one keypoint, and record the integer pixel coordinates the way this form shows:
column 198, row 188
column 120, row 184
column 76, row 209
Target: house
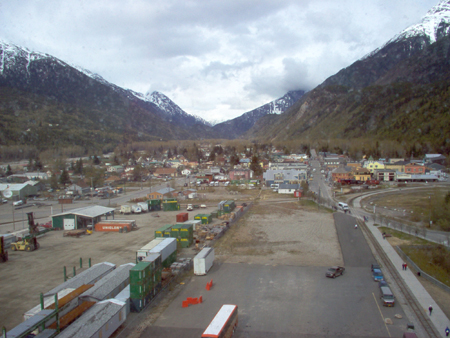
column 80, row 188
column 244, row 162
column 414, row 169
column 240, row 174
column 160, row 194
column 288, row 188
column 362, row 174
column 372, row 165
column 166, row 172
column 341, row 173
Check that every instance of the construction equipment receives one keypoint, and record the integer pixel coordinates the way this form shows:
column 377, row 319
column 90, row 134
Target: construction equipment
column 3, row 252
column 28, row 242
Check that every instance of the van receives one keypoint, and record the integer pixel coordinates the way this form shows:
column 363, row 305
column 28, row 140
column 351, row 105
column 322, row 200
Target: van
column 343, row 206
column 387, row 296
column 216, row 184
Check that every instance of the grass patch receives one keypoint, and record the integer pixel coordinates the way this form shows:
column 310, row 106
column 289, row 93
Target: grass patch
column 434, row 260
column 412, row 240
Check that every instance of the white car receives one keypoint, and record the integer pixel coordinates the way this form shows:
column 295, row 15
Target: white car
column 203, row 206
column 190, row 207
column 17, row 203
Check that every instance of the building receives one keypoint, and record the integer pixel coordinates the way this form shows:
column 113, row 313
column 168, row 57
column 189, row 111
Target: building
column 362, row 174
column 414, row 169
column 284, row 176
column 166, row 172
column 334, row 162
column 240, row 175
column 19, row 191
column 385, row 175
column 396, row 166
column 115, row 169
column 341, row 173
column 435, row 158
column 81, row 218
column 372, row 165
column 160, row 194
column 288, row 188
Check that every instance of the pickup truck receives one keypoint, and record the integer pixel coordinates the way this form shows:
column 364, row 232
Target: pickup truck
column 189, row 207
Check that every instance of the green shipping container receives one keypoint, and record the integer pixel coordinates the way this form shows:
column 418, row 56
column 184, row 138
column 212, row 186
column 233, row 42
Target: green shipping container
column 206, row 219
column 140, row 290
column 171, row 206
column 198, row 217
column 140, row 273
column 185, row 242
column 160, row 232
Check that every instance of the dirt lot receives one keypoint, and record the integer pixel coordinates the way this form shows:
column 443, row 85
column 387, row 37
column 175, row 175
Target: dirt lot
column 282, row 233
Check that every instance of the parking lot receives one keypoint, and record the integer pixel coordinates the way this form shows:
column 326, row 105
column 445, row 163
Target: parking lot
column 283, row 300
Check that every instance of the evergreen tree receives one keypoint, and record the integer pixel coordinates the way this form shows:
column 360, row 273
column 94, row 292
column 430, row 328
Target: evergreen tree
column 64, row 178
column 96, row 160
column 8, row 170
column 254, row 165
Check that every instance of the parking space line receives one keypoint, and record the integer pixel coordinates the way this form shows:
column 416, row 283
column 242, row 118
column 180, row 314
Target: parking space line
column 381, row 314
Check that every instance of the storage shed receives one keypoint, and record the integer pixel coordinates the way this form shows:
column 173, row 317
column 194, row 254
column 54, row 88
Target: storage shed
column 81, row 218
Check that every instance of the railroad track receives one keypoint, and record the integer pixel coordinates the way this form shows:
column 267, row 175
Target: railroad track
column 410, row 299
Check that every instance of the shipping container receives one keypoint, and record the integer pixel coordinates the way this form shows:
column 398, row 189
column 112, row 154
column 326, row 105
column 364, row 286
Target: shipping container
column 138, row 304
column 229, row 206
column 203, row 261
column 111, row 285
column 115, row 225
column 182, row 217
column 144, row 251
column 195, row 224
column 198, row 217
column 101, row 320
column 168, row 250
column 206, row 218
column 89, row 276
column 140, row 273
column 160, row 232
column 171, row 206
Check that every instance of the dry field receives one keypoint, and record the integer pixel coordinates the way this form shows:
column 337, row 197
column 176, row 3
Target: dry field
column 282, row 233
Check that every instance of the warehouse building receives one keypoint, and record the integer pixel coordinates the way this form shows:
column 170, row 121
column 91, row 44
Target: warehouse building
column 81, row 218
column 19, row 191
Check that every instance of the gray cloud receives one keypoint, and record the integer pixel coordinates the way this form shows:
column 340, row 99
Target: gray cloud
column 217, row 59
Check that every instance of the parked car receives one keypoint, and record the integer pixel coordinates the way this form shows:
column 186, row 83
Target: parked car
column 190, row 207
column 377, row 275
column 4, row 201
column 375, row 266
column 382, row 283
column 203, row 206
column 335, row 271
column 17, row 203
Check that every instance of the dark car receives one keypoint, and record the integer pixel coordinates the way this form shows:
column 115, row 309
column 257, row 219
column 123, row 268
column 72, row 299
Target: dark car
column 377, row 275
column 375, row 266
column 382, row 283
column 335, row 271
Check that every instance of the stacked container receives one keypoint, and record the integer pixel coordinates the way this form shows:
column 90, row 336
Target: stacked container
column 198, row 217
column 145, row 250
column 229, row 206
column 154, row 205
column 164, row 231
column 155, row 263
column 141, row 286
column 184, row 234
column 168, row 251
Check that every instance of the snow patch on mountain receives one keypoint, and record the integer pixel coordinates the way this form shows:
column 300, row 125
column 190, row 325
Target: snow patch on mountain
column 12, row 53
column 434, row 25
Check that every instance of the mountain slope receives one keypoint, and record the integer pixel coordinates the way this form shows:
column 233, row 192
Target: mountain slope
column 236, row 127
column 82, row 104
column 387, row 94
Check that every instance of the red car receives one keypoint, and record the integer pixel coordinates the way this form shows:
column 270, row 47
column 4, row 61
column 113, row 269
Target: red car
column 335, row 271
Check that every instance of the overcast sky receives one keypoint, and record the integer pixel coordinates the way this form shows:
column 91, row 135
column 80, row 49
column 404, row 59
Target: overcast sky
column 216, row 59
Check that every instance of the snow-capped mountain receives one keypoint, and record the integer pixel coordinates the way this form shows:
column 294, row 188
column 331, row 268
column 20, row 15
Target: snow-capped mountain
column 172, row 111
column 394, row 92
column 238, row 126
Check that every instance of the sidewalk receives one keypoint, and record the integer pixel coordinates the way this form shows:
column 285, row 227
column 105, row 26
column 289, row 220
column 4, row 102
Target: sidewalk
column 438, row 318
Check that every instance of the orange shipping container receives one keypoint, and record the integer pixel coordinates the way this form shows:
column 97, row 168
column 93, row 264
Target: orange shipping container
column 115, row 227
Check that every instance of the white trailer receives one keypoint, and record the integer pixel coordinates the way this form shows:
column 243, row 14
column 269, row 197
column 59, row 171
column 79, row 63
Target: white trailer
column 136, row 209
column 203, row 261
column 144, row 251
column 144, row 206
column 125, row 209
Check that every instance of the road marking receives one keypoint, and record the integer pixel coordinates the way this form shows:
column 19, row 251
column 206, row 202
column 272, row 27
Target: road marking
column 381, row 314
